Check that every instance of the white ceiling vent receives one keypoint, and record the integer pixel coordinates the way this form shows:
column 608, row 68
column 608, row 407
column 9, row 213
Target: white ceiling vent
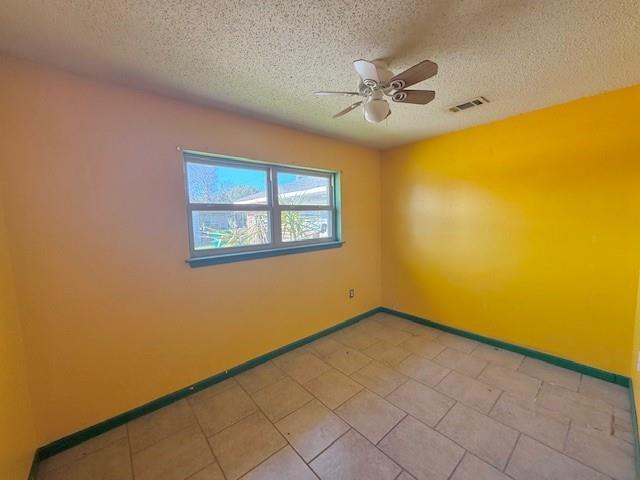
column 467, row 105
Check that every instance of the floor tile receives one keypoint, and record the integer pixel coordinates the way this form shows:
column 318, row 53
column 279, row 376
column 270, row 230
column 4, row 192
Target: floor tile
column 368, row 326
column 324, row 346
column 147, row 430
column 216, row 389
column 109, row 463
column 301, row 366
column 615, row 395
column 465, row 345
column 579, row 408
column 391, row 335
column 498, row 356
column 417, row 329
column 353, row 338
column 281, row 398
column 386, row 353
column 422, row 451
column 393, row 321
column 469, row 391
column 550, row 373
column 423, row 346
column 311, row 429
column 246, row 444
column 353, row 457
column 531, row 460
column 422, row 369
column 79, row 451
column 379, row 378
column 285, row 464
column 472, row 468
column 422, row 402
column 370, row 415
column 259, row 377
column 221, row 410
column 173, row 458
column 481, row 435
column 516, row 383
column 622, row 426
column 602, row 452
column 333, row 388
column 514, row 412
column 210, row 472
column 428, row 332
column 461, row 362
column 347, row 360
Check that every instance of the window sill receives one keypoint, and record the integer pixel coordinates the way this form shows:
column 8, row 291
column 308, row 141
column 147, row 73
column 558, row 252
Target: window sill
column 274, row 252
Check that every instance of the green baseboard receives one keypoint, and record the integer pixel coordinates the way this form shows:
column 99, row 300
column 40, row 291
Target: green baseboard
column 76, row 438
column 35, row 466
column 547, row 357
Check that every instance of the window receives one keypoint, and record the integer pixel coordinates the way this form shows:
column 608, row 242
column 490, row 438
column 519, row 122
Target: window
column 241, row 209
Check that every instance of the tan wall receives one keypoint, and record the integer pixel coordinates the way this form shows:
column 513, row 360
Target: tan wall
column 96, row 214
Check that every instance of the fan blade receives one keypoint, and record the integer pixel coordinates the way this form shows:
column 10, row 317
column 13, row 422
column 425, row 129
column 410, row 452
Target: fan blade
column 346, row 94
column 419, row 97
column 367, row 71
column 417, row 73
column 348, row 109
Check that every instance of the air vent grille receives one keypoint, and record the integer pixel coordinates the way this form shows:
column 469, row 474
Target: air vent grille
column 470, row 104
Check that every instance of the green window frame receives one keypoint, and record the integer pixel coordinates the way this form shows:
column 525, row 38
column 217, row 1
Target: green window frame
column 298, row 216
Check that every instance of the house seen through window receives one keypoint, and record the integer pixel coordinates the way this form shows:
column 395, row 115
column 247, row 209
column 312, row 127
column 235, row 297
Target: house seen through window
column 237, row 206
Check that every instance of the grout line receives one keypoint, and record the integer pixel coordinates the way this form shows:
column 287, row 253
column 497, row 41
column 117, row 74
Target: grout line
column 288, row 445
column 495, row 402
column 394, row 427
column 435, row 427
column 515, row 444
column 133, row 472
column 206, row 439
column 451, row 370
column 402, row 384
column 566, row 436
column 453, row 472
column 326, row 448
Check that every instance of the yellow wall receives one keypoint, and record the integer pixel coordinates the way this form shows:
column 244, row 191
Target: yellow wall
column 525, row 230
column 17, row 435
column 96, row 214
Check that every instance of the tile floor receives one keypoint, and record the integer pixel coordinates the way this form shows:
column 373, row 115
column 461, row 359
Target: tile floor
column 383, row 399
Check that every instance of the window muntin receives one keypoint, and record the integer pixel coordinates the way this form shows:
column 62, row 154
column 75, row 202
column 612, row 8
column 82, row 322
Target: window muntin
column 237, row 206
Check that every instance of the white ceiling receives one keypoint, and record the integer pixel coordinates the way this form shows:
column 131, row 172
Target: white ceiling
column 265, row 57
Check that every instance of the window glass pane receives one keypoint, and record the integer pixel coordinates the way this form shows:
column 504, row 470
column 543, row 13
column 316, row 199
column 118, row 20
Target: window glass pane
column 221, row 184
column 295, row 189
column 300, row 225
column 223, row 229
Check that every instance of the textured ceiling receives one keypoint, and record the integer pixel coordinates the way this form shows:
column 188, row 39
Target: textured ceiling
column 266, row 57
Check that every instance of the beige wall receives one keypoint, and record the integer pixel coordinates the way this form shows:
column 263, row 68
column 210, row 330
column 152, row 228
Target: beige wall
column 94, row 192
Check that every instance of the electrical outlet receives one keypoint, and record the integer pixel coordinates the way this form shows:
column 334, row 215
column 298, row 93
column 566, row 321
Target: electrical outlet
column 352, row 292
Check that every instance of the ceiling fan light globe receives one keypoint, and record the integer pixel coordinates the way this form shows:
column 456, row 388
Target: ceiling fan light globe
column 376, row 110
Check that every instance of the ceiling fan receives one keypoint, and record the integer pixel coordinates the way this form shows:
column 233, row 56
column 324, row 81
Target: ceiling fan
column 377, row 82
